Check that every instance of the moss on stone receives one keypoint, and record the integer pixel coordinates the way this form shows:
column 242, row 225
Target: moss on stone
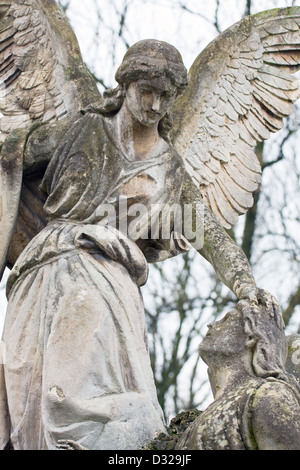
column 177, row 426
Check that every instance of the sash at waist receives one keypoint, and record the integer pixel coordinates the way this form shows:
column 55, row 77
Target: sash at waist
column 62, row 238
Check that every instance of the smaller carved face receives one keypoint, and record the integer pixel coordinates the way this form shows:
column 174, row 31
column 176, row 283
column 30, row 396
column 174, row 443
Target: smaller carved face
column 149, row 100
column 226, row 337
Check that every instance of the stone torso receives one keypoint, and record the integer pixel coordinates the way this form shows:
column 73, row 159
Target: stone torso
column 224, row 425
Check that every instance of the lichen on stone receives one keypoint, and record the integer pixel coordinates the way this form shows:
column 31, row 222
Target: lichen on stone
column 177, row 426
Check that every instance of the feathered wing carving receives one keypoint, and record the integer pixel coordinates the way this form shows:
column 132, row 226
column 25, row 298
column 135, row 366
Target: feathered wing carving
column 42, row 73
column 42, row 80
column 240, row 90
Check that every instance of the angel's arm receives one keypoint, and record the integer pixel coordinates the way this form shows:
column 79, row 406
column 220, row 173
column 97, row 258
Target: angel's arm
column 227, row 258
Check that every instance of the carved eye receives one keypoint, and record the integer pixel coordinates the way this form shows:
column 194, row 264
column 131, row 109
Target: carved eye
column 145, row 90
column 168, row 94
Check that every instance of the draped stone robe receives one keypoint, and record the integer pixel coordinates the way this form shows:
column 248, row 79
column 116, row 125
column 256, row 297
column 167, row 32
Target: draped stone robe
column 77, row 365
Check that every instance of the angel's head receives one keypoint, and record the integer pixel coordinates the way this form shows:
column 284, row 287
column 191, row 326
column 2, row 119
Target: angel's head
column 152, row 59
column 151, row 76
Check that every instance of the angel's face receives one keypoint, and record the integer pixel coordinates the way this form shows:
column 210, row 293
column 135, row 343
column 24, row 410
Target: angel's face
column 149, row 100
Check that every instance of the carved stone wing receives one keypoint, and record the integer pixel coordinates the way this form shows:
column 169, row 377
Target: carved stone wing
column 11, row 170
column 240, row 90
column 42, row 74
column 42, row 79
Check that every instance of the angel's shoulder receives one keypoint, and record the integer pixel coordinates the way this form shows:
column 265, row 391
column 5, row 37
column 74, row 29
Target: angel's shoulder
column 275, row 416
column 46, row 140
column 275, row 390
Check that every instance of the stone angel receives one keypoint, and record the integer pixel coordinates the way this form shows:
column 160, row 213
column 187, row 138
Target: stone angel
column 88, row 184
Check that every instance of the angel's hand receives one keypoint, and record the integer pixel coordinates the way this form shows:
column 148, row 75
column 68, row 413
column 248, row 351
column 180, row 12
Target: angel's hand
column 268, row 301
column 93, row 107
column 69, row 445
column 253, row 297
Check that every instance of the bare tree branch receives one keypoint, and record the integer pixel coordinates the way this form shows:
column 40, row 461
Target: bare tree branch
column 294, row 301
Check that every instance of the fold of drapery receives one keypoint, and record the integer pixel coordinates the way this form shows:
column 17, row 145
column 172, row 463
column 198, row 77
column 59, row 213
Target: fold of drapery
column 83, row 371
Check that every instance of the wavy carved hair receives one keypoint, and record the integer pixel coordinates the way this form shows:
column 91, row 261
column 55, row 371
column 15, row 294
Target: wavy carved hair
column 145, row 60
column 267, row 340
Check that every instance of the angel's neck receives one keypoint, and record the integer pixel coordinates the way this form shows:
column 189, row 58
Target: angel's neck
column 227, row 372
column 138, row 142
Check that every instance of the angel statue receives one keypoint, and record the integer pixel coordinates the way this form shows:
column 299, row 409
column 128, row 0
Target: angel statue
column 87, row 185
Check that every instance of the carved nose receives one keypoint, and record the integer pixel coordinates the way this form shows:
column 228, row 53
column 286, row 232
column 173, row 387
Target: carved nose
column 156, row 103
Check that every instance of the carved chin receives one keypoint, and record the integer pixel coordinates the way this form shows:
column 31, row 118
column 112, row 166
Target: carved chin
column 148, row 119
column 205, row 349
